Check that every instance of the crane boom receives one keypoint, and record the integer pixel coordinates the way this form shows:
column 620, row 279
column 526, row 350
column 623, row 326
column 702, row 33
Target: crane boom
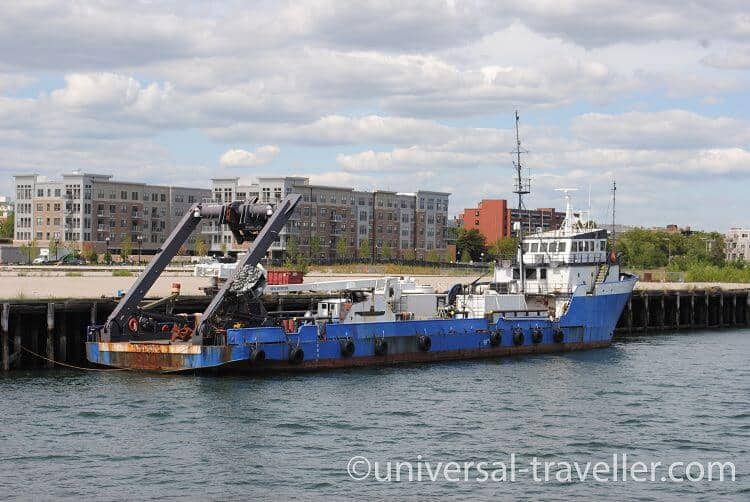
column 245, row 219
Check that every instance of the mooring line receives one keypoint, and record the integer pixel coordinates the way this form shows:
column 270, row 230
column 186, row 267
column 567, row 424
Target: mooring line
column 70, row 365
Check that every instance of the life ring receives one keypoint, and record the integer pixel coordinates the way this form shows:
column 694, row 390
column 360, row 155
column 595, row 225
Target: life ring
column 258, row 355
column 558, row 336
column 347, row 347
column 296, row 355
column 424, row 342
column 496, row 337
column 133, row 324
column 381, row 346
column 518, row 336
column 536, row 335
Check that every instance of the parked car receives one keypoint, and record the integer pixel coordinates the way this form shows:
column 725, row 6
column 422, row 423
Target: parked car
column 40, row 260
column 71, row 260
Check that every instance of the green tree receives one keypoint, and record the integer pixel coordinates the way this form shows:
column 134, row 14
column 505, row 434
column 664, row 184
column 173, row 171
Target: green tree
column 126, row 248
column 224, row 249
column 341, row 248
column 471, row 242
column 6, row 226
column 88, row 253
column 503, row 249
column 432, row 256
column 201, row 247
column 53, row 247
column 364, row 249
column 316, row 246
column 386, row 252
column 292, row 249
column 409, row 255
column 465, row 256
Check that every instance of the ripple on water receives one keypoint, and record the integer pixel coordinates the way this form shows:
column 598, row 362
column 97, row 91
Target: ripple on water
column 105, row 436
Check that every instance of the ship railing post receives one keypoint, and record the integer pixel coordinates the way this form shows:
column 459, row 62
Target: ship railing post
column 51, row 335
column 677, row 310
column 4, row 317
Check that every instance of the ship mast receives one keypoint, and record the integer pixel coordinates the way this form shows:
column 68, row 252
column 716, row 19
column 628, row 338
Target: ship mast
column 614, row 199
column 521, row 189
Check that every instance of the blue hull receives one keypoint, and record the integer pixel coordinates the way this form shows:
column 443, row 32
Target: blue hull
column 588, row 323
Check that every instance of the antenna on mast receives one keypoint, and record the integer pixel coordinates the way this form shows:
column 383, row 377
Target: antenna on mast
column 614, row 199
column 522, row 187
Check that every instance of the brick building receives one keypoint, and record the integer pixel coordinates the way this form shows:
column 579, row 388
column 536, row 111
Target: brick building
column 334, row 219
column 494, row 219
column 84, row 208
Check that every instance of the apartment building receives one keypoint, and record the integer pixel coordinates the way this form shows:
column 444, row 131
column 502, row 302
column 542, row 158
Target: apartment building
column 495, row 219
column 85, row 208
column 330, row 221
column 737, row 244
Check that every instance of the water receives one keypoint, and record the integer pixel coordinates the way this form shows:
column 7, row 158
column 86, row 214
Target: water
column 109, row 436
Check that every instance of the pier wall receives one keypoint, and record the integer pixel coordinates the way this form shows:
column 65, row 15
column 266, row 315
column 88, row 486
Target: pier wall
column 56, row 330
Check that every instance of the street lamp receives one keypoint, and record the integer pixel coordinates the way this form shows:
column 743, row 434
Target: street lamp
column 106, row 255
column 481, row 257
column 140, row 243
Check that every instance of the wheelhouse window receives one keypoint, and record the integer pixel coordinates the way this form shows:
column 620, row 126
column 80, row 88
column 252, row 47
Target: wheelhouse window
column 534, row 247
column 561, row 247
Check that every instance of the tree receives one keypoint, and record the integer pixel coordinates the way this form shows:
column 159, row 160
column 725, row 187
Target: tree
column 292, row 248
column 201, row 247
column 471, row 242
column 409, row 255
column 465, row 256
column 364, row 249
column 341, row 248
column 7, row 225
column 126, row 248
column 385, row 252
column 433, row 256
column 316, row 246
column 88, row 253
column 53, row 247
column 504, row 248
column 224, row 248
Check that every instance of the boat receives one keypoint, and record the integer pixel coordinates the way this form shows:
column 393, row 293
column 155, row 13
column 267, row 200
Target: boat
column 563, row 291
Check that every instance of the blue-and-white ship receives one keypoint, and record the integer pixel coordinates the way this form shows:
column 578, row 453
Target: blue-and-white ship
column 564, row 291
column 568, row 296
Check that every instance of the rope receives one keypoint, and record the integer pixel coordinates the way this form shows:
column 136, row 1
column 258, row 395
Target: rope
column 70, row 365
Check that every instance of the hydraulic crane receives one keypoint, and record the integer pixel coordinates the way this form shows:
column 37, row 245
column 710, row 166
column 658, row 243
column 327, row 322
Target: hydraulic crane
column 248, row 221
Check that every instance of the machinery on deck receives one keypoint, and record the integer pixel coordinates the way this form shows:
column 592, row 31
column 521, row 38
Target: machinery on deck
column 235, row 301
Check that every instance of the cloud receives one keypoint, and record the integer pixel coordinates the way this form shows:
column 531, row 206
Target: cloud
column 242, row 158
column 670, row 129
column 736, row 59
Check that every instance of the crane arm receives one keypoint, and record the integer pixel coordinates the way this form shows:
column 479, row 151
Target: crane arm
column 245, row 220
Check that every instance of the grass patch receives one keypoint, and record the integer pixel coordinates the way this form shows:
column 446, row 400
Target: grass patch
column 122, row 273
column 73, row 274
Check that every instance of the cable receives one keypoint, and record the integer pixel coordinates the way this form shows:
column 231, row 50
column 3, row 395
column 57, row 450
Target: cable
column 70, row 365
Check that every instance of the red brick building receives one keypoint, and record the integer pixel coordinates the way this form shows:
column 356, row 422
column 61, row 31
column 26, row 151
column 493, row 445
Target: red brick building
column 494, row 219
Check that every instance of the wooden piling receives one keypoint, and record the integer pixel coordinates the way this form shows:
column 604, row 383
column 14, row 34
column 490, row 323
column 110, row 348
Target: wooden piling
column 50, row 335
column 4, row 317
column 62, row 340
column 17, row 352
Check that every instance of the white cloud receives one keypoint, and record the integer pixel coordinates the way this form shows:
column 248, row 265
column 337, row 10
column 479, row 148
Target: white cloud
column 242, row 158
column 735, row 59
column 660, row 130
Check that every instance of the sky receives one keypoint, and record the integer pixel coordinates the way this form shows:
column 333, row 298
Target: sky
column 399, row 95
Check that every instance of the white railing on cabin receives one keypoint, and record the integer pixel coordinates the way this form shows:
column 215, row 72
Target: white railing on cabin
column 539, row 258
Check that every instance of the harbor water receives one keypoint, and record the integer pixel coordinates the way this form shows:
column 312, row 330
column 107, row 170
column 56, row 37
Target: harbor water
column 668, row 397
